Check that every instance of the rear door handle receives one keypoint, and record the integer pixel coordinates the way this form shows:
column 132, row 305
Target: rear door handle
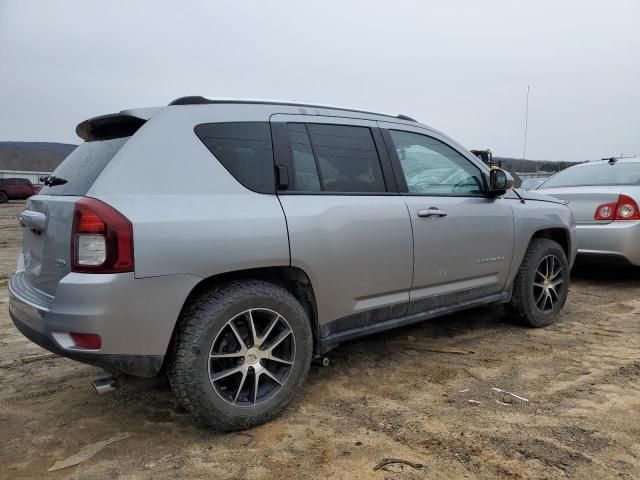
column 432, row 212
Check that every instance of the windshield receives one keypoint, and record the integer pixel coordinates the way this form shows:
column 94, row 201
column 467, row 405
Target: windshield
column 530, row 183
column 596, row 175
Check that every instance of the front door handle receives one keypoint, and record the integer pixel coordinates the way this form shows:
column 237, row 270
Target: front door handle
column 432, row 212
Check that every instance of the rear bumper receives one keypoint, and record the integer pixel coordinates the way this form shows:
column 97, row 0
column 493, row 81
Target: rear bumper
column 138, row 365
column 134, row 317
column 621, row 239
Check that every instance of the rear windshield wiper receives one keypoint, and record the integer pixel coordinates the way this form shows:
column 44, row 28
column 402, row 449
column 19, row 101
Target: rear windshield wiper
column 52, row 180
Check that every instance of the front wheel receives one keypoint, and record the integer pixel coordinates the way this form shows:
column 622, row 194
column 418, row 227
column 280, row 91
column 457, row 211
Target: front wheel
column 3, row 197
column 241, row 353
column 541, row 285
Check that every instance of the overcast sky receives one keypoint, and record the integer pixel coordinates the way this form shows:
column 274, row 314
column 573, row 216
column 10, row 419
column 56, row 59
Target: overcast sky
column 460, row 66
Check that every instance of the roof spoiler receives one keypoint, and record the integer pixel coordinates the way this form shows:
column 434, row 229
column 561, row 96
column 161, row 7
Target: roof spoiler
column 108, row 127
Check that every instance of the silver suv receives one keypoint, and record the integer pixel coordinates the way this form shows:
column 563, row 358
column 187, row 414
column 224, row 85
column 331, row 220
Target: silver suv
column 227, row 242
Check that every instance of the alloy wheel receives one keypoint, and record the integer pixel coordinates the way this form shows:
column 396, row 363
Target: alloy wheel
column 251, row 357
column 548, row 283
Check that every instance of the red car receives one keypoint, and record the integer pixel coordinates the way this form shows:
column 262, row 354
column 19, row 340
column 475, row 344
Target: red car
column 16, row 189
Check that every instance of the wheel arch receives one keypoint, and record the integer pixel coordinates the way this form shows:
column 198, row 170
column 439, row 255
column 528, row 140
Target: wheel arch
column 558, row 234
column 293, row 279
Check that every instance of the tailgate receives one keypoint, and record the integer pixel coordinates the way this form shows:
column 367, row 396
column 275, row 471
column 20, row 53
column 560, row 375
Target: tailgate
column 46, row 243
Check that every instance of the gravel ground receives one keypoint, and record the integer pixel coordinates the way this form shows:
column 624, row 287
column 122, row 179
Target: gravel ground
column 404, row 395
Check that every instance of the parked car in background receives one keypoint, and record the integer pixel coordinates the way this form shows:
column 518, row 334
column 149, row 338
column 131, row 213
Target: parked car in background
column 604, row 198
column 531, row 183
column 231, row 241
column 16, row 189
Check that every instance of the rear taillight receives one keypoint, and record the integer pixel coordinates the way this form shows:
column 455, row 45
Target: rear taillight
column 101, row 239
column 606, row 211
column 627, row 209
column 624, row 209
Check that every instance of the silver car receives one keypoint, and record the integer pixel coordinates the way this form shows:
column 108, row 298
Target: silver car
column 229, row 242
column 604, row 198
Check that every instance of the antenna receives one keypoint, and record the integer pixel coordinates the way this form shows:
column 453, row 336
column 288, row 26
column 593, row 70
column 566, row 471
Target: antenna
column 526, row 124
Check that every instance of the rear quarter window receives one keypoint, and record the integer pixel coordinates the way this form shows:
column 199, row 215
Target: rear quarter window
column 83, row 166
column 244, row 149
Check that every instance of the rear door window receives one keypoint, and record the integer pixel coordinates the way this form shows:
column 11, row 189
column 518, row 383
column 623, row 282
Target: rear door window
column 83, row 166
column 244, row 149
column 305, row 169
column 334, row 158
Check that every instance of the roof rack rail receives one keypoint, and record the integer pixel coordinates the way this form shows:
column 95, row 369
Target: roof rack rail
column 200, row 100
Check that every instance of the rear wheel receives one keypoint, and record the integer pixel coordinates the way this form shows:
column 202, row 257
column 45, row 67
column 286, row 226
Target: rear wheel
column 241, row 353
column 3, row 197
column 542, row 283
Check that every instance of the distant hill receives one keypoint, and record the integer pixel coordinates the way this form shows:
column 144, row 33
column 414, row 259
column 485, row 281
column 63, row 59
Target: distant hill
column 33, row 156
column 520, row 165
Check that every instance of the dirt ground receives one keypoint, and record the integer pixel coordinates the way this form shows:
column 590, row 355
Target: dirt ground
column 404, row 394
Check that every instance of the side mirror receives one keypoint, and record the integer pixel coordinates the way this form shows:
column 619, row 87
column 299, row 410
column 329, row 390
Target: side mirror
column 499, row 181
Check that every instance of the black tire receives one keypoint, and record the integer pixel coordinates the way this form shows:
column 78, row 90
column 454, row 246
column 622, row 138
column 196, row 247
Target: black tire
column 3, row 197
column 525, row 303
column 202, row 323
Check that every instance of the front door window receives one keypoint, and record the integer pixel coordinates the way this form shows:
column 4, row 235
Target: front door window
column 431, row 167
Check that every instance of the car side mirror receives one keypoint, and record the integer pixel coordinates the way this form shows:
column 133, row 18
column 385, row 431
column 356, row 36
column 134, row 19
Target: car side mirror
column 499, row 181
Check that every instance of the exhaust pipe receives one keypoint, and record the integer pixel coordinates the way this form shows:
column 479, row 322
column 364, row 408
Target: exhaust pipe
column 104, row 385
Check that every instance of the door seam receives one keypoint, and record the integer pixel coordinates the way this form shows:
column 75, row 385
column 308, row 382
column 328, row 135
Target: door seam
column 413, row 249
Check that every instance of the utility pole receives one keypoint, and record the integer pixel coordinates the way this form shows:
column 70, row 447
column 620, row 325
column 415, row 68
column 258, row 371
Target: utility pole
column 526, row 124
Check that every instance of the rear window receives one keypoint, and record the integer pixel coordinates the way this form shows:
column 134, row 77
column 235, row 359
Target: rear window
column 244, row 149
column 596, row 175
column 83, row 166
